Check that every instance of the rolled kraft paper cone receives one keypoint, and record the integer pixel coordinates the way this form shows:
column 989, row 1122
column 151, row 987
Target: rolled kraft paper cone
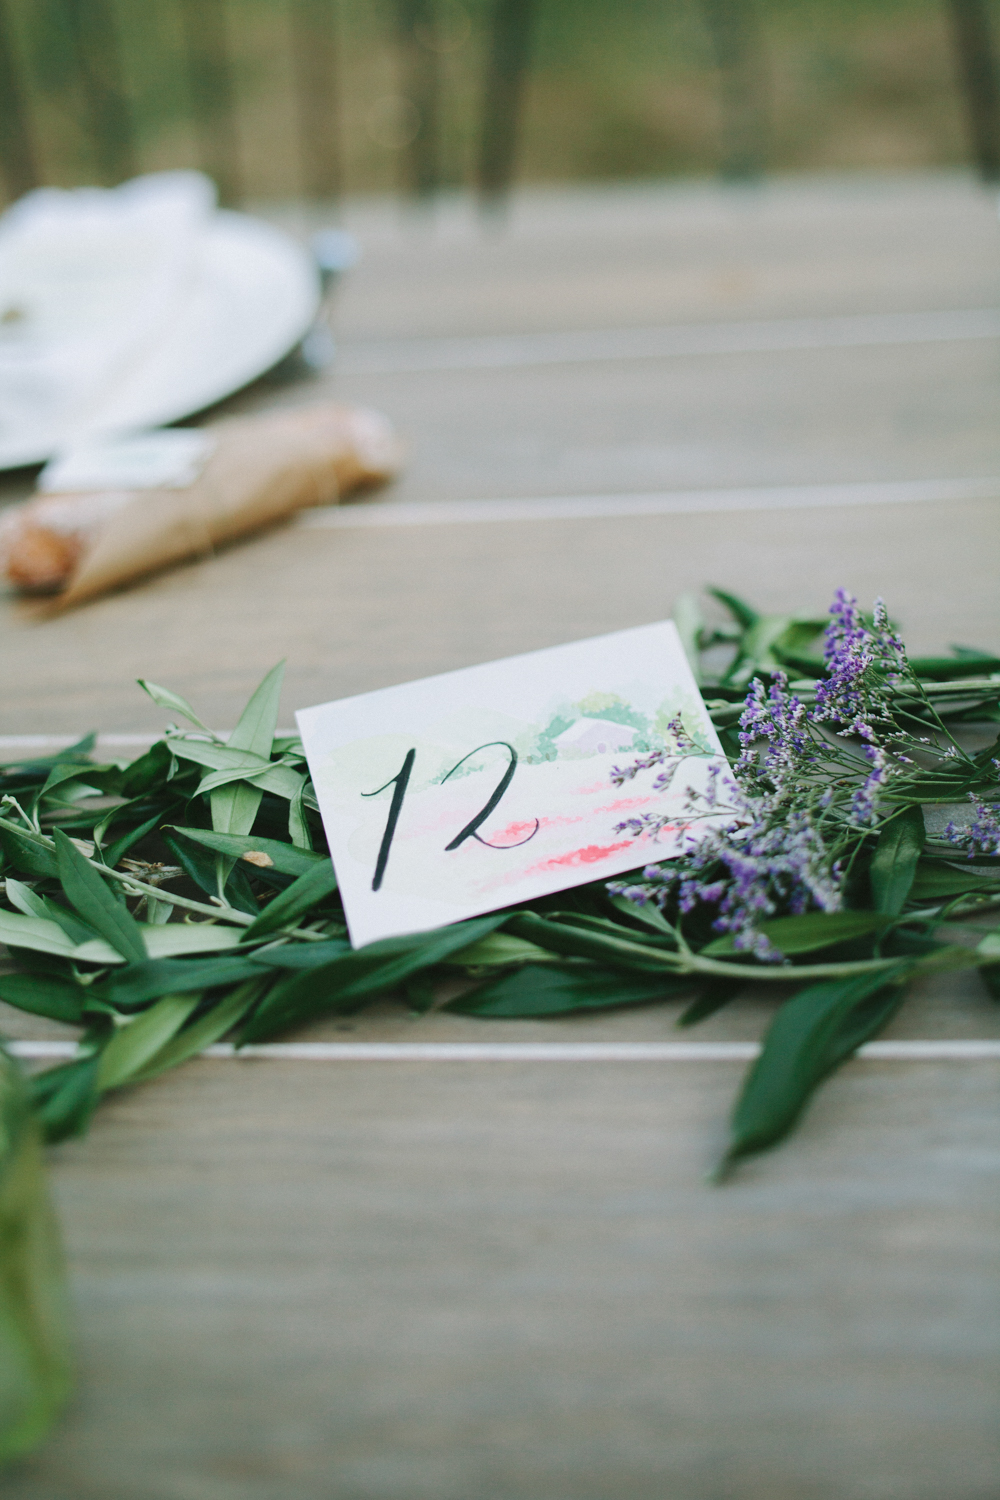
column 261, row 470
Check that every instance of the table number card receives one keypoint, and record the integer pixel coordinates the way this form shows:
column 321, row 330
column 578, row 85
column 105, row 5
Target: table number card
column 460, row 794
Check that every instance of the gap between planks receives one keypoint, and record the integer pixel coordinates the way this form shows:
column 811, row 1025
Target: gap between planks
column 373, row 514
column 901, row 1051
column 518, row 351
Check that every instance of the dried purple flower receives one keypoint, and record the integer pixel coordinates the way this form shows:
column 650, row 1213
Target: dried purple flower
column 670, row 759
column 848, row 653
column 779, row 718
column 863, row 801
column 982, row 835
column 748, row 874
column 803, row 800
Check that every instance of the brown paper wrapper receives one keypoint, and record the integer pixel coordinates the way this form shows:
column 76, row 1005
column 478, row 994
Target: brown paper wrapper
column 261, row 471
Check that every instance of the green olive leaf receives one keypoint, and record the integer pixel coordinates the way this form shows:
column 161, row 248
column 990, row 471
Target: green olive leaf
column 558, row 990
column 805, row 934
column 894, row 863
column 136, row 1042
column 234, row 807
column 285, row 858
column 810, row 1035
column 87, row 891
column 172, row 702
column 293, row 902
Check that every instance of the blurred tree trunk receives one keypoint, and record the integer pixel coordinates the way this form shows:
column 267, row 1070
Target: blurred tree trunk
column 422, row 87
column 92, row 27
column 506, row 72
column 977, row 63
column 314, row 45
column 17, row 155
column 735, row 31
column 211, row 83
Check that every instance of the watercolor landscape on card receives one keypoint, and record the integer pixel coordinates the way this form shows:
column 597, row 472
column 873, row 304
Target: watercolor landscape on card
column 482, row 788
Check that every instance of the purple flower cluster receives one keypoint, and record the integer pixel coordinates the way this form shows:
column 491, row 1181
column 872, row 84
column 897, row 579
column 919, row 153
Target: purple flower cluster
column 982, row 835
column 775, row 858
column 852, row 699
column 863, row 803
column 804, row 799
column 670, row 759
column 651, row 823
column 697, row 804
column 747, row 874
column 840, row 699
column 771, row 714
column 890, row 651
column 670, row 764
column 860, row 664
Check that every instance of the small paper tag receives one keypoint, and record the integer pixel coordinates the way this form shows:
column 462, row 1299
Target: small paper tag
column 171, row 459
column 453, row 796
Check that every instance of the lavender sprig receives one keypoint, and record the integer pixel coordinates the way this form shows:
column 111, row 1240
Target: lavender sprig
column 812, row 782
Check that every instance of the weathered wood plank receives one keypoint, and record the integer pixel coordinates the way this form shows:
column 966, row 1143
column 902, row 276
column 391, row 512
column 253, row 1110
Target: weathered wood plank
column 400, row 1281
column 379, row 1281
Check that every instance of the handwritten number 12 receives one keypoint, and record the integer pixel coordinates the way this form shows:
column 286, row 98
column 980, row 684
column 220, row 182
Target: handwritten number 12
column 399, row 783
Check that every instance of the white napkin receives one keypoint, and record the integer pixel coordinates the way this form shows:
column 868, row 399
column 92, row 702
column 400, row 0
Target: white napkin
column 89, row 279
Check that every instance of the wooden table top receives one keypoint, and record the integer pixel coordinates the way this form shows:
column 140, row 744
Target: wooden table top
column 396, row 1280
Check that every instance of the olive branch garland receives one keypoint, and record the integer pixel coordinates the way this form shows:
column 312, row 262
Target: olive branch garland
column 188, row 896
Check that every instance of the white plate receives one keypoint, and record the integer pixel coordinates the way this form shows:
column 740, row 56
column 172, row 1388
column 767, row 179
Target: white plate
column 257, row 295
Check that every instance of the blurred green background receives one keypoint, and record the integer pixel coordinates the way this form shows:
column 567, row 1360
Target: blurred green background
column 614, row 88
